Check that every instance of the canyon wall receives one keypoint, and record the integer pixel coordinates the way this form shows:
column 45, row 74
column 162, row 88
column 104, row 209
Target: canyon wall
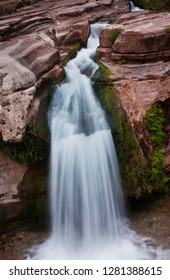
column 136, row 50
column 36, row 41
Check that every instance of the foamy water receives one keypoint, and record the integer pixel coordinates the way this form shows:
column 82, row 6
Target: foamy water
column 88, row 219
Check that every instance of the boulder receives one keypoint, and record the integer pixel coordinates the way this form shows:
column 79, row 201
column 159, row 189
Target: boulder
column 31, row 42
column 139, row 36
column 138, row 59
column 35, row 42
column 12, row 174
column 140, row 86
column 16, row 95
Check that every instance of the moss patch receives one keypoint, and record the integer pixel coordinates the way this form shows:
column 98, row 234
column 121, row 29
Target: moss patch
column 132, row 163
column 155, row 122
column 167, row 29
column 121, row 61
column 32, row 149
column 113, row 35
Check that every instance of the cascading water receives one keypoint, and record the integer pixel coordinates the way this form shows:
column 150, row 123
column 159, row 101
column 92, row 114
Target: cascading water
column 85, row 185
column 135, row 8
column 87, row 206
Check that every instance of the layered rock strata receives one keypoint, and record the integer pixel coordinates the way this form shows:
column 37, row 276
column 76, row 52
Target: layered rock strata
column 35, row 42
column 136, row 49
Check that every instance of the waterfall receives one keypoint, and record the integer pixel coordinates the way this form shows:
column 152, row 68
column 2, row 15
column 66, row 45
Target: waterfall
column 86, row 200
column 135, row 8
column 86, row 192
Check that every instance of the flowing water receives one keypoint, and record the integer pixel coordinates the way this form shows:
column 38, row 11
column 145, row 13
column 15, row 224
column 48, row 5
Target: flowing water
column 135, row 8
column 86, row 200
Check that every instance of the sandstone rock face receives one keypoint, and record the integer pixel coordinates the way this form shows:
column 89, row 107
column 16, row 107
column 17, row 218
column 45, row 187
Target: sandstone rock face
column 141, row 36
column 17, row 90
column 35, row 43
column 10, row 6
column 22, row 190
column 141, row 85
column 11, row 175
column 139, row 61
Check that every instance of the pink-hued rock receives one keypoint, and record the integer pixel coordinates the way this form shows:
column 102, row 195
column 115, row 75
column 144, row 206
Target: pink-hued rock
column 11, row 175
column 105, row 41
column 139, row 62
column 155, row 56
column 141, row 36
column 16, row 95
column 140, row 86
column 104, row 53
column 35, row 42
column 17, row 191
column 79, row 32
column 31, row 40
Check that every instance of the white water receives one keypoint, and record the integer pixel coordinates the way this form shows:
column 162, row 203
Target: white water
column 135, row 8
column 87, row 205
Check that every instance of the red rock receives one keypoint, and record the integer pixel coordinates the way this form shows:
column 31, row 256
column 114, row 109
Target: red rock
column 143, row 33
column 103, row 53
column 140, row 36
column 143, row 57
column 105, row 42
column 140, row 86
column 83, row 28
column 12, row 174
column 37, row 34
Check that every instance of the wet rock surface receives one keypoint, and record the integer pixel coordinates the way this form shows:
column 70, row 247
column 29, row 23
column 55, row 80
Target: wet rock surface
column 36, row 41
column 16, row 245
column 152, row 220
column 148, row 219
column 140, row 36
column 10, row 6
column 136, row 49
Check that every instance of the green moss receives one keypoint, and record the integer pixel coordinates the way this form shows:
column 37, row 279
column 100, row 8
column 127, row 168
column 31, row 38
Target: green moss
column 29, row 151
column 155, row 121
column 103, row 74
column 142, row 176
column 132, row 163
column 121, row 61
column 113, row 35
column 167, row 29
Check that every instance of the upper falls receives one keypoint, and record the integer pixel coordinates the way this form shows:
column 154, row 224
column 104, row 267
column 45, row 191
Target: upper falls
column 86, row 200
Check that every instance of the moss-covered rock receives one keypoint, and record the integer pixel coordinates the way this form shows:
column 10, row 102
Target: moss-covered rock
column 32, row 149
column 143, row 170
column 156, row 5
column 31, row 208
column 155, row 123
column 132, row 162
